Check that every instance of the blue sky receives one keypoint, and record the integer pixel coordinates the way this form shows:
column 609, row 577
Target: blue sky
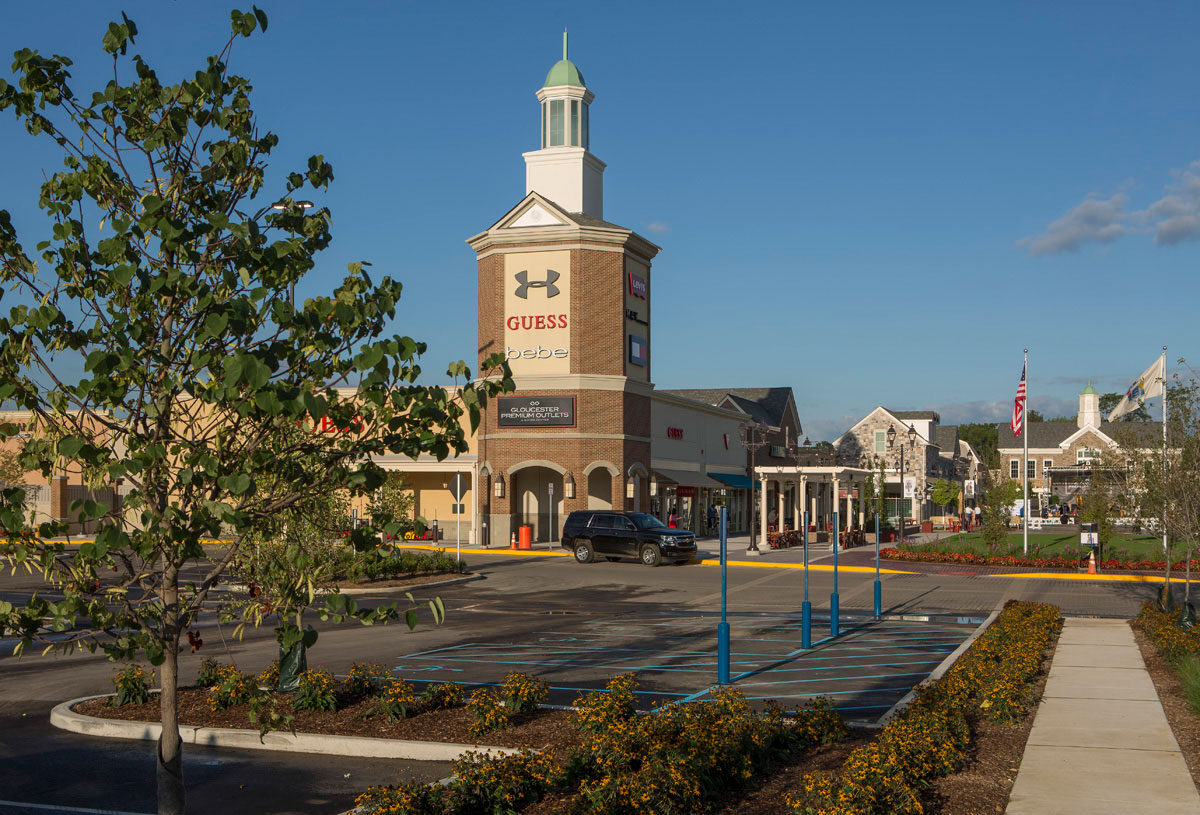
column 872, row 203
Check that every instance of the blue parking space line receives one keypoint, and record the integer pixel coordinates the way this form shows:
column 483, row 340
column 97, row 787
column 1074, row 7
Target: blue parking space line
column 872, row 691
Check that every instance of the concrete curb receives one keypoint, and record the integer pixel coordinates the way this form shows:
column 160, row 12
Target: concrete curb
column 383, row 589
column 940, row 670
column 63, row 717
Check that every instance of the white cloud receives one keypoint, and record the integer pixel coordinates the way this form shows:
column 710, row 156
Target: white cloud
column 658, row 227
column 1093, row 220
column 1176, row 216
column 1173, row 218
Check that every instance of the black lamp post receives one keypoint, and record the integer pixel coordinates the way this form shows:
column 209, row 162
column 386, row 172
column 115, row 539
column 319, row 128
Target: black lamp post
column 912, row 441
column 753, row 438
column 284, row 206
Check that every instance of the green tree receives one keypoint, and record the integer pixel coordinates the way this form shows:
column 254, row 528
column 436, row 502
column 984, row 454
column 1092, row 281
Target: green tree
column 984, row 438
column 167, row 273
column 1165, row 483
column 1108, row 401
column 998, row 498
column 945, row 492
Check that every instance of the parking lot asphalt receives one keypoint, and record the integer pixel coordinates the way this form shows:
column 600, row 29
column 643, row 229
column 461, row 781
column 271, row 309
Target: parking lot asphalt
column 575, row 625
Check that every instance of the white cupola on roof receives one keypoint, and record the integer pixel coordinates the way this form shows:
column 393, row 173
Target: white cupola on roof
column 1089, row 408
column 563, row 170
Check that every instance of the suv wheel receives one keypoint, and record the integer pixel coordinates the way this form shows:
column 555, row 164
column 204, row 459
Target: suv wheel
column 584, row 552
column 651, row 555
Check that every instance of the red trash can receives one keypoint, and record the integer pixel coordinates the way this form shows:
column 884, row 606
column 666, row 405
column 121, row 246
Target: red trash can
column 525, row 536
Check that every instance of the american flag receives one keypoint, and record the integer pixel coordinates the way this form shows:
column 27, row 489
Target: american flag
column 1018, row 419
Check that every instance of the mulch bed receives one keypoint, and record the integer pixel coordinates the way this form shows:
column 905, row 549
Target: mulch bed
column 545, row 728
column 983, row 785
column 1185, row 724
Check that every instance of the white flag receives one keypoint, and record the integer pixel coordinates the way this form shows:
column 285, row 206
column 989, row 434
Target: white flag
column 1146, row 386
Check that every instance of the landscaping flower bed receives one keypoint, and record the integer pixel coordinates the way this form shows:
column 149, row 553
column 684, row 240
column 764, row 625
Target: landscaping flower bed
column 973, row 559
column 694, row 758
column 932, row 736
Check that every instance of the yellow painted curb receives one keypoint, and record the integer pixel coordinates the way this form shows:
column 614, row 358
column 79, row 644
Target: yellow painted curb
column 813, row 566
column 1116, row 578
column 481, row 550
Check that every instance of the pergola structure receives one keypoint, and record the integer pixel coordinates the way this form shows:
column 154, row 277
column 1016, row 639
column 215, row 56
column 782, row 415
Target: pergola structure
column 819, row 489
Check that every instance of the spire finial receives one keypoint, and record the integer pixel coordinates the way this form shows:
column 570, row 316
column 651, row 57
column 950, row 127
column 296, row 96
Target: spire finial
column 564, row 43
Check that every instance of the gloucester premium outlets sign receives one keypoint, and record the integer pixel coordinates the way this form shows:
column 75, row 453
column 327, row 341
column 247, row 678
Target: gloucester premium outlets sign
column 536, row 411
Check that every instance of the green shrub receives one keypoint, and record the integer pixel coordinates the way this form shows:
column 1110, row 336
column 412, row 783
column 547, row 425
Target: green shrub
column 930, row 737
column 367, row 679
column 444, row 695
column 268, row 677
column 523, row 693
column 396, row 700
column 316, row 692
column 501, row 784
column 209, row 673
column 1188, row 668
column 132, row 684
column 410, row 798
column 231, row 688
column 600, row 711
column 488, row 709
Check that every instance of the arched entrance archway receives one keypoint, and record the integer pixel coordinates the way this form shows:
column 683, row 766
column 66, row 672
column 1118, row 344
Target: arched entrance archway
column 537, row 500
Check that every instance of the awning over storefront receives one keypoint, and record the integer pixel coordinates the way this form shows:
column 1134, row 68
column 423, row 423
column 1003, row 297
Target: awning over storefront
column 737, row 481
column 687, row 478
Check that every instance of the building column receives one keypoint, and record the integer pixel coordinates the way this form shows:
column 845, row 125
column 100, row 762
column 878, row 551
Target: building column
column 797, row 501
column 812, row 502
column 58, row 497
column 862, row 506
column 779, row 502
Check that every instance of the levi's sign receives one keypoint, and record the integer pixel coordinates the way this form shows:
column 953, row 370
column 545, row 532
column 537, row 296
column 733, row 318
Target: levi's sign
column 536, row 411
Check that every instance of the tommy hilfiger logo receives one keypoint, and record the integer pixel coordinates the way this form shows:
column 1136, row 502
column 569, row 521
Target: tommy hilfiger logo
column 527, row 284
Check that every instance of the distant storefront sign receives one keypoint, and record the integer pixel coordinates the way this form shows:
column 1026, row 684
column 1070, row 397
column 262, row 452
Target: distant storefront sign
column 637, row 286
column 685, row 492
column 536, row 411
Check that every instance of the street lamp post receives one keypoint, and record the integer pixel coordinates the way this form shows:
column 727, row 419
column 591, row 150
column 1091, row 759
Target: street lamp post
column 284, row 206
column 878, row 468
column 912, row 441
column 799, row 453
column 753, row 438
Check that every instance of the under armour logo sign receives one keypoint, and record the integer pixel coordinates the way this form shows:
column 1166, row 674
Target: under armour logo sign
column 547, row 284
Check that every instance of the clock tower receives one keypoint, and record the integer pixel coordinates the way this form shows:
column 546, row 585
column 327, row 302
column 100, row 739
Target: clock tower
column 565, row 296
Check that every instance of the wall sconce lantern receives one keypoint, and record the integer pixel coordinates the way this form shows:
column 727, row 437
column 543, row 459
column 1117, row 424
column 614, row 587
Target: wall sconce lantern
column 569, row 486
column 653, row 487
column 499, row 491
column 631, row 487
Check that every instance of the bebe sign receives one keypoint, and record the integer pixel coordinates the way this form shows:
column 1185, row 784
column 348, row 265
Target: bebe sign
column 537, row 352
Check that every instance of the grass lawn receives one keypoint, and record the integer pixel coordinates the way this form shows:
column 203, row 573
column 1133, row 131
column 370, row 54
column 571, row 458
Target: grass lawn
column 1047, row 544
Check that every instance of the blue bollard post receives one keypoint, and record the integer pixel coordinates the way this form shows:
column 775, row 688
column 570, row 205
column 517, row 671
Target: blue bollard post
column 806, row 608
column 833, row 598
column 723, row 626
column 878, row 585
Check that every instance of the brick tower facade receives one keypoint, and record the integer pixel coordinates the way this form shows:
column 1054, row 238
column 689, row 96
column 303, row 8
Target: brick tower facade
column 565, row 296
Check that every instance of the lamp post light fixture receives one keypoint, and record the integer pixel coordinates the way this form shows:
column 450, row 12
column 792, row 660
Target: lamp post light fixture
column 283, row 206
column 753, row 438
column 912, row 441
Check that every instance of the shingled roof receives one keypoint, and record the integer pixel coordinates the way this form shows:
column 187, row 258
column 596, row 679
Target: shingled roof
column 914, row 414
column 767, row 405
column 946, row 437
column 1052, row 434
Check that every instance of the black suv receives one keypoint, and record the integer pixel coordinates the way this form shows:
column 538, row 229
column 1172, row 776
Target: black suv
column 616, row 535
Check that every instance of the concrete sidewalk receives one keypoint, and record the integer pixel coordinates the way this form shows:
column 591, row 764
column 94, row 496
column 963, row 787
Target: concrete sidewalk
column 1100, row 741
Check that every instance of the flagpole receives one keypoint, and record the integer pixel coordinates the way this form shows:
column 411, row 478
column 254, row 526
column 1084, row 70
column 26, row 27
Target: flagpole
column 1163, row 368
column 1025, row 464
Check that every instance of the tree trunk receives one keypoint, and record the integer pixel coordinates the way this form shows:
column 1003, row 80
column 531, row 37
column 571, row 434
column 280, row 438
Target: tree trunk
column 170, row 746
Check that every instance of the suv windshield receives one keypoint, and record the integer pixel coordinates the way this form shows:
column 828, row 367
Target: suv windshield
column 645, row 521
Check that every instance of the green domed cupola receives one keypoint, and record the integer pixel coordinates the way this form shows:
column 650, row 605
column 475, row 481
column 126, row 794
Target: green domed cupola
column 564, row 72
column 1088, row 390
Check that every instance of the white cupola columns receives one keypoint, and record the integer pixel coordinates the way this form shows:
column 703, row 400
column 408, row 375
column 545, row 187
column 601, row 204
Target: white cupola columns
column 564, row 170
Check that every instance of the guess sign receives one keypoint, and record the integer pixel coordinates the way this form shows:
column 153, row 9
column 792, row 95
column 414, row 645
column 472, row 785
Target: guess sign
column 638, row 286
column 674, row 432
column 536, row 322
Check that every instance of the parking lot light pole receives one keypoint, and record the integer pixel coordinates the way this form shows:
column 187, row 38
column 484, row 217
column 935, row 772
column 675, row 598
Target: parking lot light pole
column 723, row 626
column 912, row 441
column 283, row 206
column 878, row 494
column 798, row 454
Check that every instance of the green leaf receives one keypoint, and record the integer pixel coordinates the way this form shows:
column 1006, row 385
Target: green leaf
column 410, row 618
